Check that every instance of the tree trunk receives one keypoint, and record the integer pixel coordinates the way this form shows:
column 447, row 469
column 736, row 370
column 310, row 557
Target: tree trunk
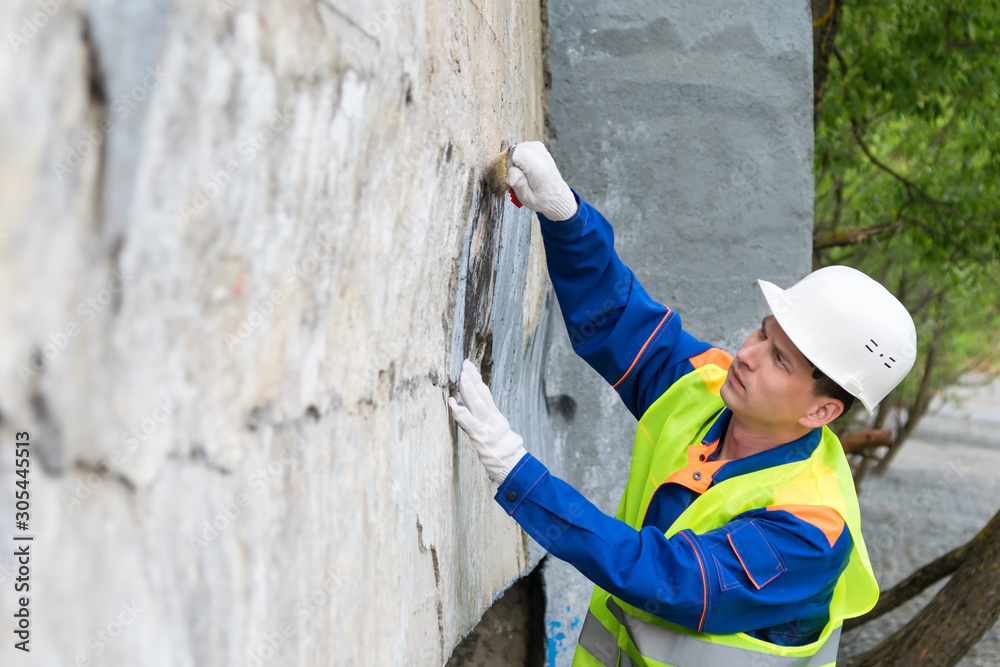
column 919, row 406
column 826, row 21
column 915, row 584
column 867, row 462
column 881, row 412
column 862, row 440
column 958, row 616
column 861, row 445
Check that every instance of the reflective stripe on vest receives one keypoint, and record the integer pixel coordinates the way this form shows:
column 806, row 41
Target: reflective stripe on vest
column 599, row 641
column 679, row 650
column 677, row 422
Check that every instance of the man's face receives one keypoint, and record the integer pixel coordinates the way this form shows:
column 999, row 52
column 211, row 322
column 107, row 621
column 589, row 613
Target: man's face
column 770, row 383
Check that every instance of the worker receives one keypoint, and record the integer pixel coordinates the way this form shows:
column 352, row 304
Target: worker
column 737, row 540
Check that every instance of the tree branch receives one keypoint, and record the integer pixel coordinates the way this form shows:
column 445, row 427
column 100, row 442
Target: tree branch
column 844, row 237
column 911, row 187
column 968, row 43
column 914, row 191
column 919, row 406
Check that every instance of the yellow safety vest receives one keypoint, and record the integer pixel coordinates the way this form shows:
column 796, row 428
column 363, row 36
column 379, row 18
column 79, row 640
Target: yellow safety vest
column 668, row 439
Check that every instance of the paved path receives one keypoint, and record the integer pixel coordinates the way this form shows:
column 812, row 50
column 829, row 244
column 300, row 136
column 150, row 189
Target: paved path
column 940, row 490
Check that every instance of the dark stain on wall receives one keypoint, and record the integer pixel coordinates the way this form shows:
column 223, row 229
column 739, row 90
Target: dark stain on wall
column 511, row 632
column 485, row 343
column 480, row 275
column 563, row 405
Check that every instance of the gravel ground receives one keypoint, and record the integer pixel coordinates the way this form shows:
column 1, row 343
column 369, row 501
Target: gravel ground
column 936, row 496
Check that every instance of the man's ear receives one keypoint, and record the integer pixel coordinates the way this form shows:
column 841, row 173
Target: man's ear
column 823, row 411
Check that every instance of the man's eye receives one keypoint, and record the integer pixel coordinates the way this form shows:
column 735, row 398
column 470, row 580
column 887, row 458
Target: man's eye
column 781, row 362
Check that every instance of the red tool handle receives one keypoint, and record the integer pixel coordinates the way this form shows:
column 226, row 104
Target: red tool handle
column 510, row 163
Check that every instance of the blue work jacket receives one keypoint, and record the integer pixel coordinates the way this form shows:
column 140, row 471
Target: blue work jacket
column 638, row 346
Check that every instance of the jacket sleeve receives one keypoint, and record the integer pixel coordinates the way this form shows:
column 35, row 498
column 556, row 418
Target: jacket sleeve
column 636, row 344
column 765, row 568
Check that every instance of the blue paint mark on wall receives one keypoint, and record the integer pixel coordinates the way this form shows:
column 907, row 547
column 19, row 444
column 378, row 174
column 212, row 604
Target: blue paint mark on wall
column 497, row 593
column 554, row 641
column 576, row 622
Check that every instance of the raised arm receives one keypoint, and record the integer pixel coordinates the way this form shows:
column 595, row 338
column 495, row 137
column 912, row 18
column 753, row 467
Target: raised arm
column 634, row 342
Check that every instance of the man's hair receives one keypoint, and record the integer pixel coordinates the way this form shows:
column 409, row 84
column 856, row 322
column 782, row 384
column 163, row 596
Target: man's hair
column 824, row 386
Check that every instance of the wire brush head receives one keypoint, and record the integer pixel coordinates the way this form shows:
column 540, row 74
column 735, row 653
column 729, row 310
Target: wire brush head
column 495, row 174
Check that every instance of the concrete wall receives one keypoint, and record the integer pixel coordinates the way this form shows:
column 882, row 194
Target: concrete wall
column 689, row 125
column 243, row 251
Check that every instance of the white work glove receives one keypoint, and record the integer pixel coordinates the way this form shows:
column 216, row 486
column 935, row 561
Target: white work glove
column 537, row 183
column 499, row 448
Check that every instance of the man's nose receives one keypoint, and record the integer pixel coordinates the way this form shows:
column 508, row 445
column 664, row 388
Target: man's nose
column 742, row 359
column 748, row 353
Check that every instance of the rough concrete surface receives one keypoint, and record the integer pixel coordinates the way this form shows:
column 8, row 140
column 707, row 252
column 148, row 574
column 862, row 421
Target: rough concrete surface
column 243, row 249
column 689, row 125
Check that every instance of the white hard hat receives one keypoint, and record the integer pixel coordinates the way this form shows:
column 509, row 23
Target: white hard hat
column 850, row 327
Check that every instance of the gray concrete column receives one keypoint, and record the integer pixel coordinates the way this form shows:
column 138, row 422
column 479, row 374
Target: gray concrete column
column 689, row 125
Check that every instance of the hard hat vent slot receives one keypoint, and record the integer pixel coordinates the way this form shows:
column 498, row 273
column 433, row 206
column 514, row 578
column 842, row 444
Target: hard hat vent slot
column 881, row 355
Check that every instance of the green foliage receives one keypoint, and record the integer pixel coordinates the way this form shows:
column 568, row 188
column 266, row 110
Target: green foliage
column 909, row 133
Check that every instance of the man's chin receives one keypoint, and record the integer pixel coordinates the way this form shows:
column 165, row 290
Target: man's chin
column 727, row 395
